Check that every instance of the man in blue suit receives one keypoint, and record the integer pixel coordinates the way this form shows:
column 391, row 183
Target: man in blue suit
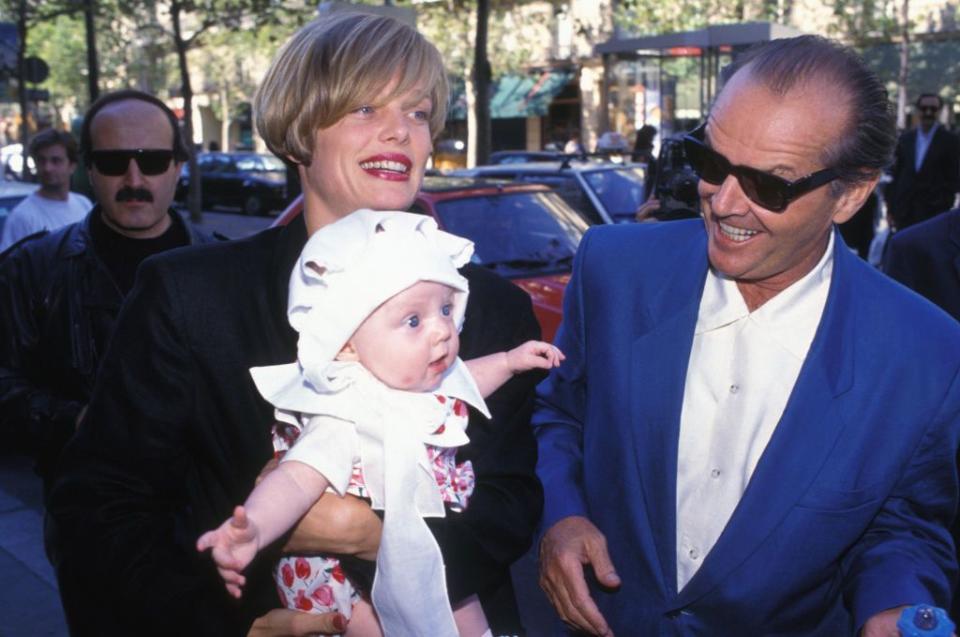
column 754, row 432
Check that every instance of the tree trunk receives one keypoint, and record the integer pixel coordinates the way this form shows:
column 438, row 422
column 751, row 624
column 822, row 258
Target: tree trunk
column 904, row 73
column 224, row 118
column 22, row 85
column 93, row 69
column 194, row 195
column 479, row 149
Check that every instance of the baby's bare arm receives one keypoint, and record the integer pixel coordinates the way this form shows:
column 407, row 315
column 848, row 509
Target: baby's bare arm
column 282, row 497
column 275, row 505
column 490, row 372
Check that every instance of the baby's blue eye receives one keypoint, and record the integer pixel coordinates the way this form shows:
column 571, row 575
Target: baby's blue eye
column 447, row 309
column 413, row 321
column 364, row 110
column 422, row 115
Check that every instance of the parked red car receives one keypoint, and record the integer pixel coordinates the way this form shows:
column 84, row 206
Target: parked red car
column 524, row 232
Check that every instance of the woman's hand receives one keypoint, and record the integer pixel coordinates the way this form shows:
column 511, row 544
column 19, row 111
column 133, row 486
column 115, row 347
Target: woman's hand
column 282, row 622
column 344, row 525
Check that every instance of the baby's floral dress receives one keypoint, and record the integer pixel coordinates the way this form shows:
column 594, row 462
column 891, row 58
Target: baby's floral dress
column 317, row 584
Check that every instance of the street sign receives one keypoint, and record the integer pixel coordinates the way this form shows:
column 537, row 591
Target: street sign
column 35, row 70
column 38, row 95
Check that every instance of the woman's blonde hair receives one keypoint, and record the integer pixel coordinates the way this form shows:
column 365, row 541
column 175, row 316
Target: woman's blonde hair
column 333, row 66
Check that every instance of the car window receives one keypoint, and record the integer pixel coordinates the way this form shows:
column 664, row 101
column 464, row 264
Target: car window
column 621, row 191
column 516, row 233
column 270, row 162
column 216, row 164
column 206, row 164
column 567, row 186
column 248, row 164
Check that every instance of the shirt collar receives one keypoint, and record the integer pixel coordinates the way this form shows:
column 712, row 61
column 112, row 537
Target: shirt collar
column 929, row 134
column 791, row 317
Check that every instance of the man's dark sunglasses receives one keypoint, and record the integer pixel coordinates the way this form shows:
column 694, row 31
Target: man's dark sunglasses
column 928, row 109
column 114, row 163
column 769, row 191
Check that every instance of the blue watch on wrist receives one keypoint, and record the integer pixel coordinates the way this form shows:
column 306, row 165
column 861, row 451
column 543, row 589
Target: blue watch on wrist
column 924, row 620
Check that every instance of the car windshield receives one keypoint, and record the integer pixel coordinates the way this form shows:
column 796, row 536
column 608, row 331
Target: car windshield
column 516, row 234
column 621, row 190
column 259, row 163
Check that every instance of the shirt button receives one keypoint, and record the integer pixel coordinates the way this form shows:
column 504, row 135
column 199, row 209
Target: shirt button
column 715, row 473
column 734, row 389
column 693, row 554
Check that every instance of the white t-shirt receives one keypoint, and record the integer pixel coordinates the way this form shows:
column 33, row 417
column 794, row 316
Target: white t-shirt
column 36, row 213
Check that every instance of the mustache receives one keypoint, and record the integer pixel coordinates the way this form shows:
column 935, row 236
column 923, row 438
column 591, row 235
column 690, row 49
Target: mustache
column 128, row 193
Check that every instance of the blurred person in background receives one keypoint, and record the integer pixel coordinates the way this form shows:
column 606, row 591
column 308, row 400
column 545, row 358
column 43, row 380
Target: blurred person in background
column 52, row 206
column 926, row 168
column 61, row 291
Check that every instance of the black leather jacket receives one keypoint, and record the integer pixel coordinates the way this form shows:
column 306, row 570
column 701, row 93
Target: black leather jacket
column 58, row 304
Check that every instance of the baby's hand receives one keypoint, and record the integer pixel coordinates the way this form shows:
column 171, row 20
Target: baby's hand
column 533, row 355
column 234, row 546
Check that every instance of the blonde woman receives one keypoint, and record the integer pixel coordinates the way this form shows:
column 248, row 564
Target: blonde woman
column 176, row 433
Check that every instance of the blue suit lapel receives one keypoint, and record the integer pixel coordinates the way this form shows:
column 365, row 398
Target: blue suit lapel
column 659, row 358
column 801, row 442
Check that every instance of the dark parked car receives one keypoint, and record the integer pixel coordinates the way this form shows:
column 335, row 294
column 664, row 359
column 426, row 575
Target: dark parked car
column 524, row 232
column 603, row 192
column 255, row 183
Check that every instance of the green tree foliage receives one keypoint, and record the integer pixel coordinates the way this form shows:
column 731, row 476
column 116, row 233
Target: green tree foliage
column 60, row 43
column 858, row 21
column 646, row 17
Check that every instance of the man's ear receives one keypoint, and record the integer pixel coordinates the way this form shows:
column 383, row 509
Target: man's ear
column 348, row 354
column 853, row 198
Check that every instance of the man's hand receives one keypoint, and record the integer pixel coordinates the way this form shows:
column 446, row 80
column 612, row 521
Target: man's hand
column 566, row 548
column 883, row 624
column 282, row 622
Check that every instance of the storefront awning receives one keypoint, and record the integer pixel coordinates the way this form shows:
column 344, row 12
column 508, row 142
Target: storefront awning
column 515, row 95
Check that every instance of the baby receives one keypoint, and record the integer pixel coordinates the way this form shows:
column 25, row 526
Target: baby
column 375, row 405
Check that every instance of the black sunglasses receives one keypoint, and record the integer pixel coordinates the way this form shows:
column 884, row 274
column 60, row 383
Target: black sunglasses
column 928, row 109
column 769, row 191
column 114, row 163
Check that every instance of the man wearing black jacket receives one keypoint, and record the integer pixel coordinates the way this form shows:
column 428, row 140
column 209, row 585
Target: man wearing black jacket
column 61, row 291
column 926, row 168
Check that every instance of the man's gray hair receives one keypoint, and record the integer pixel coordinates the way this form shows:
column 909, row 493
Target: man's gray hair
column 867, row 147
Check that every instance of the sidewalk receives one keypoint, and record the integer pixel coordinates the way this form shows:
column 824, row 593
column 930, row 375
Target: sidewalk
column 29, row 603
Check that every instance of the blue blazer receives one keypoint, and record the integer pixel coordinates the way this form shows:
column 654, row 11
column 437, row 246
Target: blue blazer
column 848, row 509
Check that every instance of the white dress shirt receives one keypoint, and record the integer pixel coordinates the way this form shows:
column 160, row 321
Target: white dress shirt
column 742, row 369
column 923, row 143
